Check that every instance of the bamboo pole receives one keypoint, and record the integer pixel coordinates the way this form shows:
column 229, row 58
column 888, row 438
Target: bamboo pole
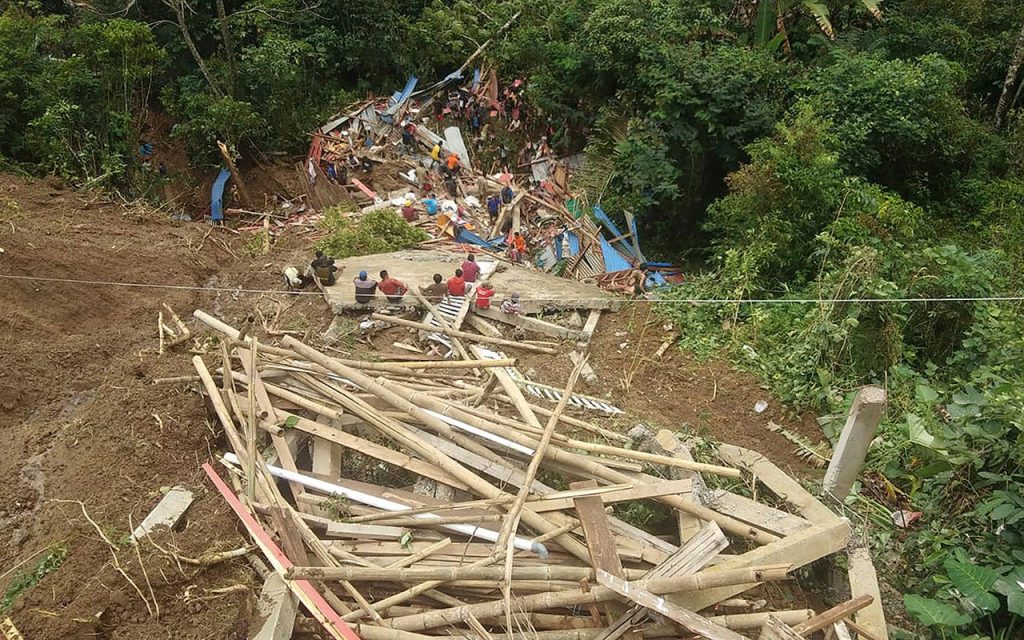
column 434, row 522
column 461, row 348
column 405, row 365
column 420, row 574
column 558, row 599
column 399, row 433
column 454, row 333
column 511, row 524
column 250, row 487
column 591, row 467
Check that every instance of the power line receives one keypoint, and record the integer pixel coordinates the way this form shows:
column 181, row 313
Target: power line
column 708, row 301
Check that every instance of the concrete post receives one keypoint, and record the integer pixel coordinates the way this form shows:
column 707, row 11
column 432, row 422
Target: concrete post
column 848, row 458
column 277, row 609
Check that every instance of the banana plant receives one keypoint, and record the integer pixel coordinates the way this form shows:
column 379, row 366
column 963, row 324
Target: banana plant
column 770, row 22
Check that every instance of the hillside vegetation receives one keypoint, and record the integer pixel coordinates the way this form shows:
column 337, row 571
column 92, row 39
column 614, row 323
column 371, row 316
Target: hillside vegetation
column 859, row 163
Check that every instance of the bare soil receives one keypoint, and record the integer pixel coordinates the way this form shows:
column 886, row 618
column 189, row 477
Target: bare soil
column 82, row 422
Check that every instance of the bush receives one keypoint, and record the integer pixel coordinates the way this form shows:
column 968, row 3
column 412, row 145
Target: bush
column 379, row 231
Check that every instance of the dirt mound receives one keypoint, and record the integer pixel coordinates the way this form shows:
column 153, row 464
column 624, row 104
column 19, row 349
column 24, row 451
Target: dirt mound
column 80, row 420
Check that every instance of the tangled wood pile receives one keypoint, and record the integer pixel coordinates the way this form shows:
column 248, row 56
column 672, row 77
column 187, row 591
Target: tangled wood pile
column 453, row 527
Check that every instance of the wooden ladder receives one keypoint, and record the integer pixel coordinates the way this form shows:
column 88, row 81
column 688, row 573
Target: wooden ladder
column 10, row 631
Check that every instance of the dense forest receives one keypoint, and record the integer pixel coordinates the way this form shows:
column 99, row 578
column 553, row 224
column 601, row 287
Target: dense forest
column 858, row 164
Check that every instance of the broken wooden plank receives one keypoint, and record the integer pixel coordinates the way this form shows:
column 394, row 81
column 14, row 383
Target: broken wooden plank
column 528, row 323
column 689, row 558
column 588, row 329
column 798, row 550
column 827, row 618
column 780, row 483
column 688, row 619
column 303, row 589
column 776, row 629
column 760, row 515
column 167, row 513
column 864, row 581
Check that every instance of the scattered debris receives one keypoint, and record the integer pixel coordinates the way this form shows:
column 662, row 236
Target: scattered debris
column 368, row 557
column 167, row 513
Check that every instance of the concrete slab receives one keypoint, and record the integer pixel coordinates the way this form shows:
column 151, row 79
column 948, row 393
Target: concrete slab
column 538, row 291
column 166, row 513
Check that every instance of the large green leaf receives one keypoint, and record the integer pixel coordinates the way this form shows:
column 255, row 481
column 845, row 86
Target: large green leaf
column 974, row 582
column 873, row 7
column 821, row 15
column 1012, row 586
column 933, row 613
column 764, row 23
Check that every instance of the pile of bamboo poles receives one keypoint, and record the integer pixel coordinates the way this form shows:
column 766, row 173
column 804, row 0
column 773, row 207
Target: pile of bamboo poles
column 401, row 500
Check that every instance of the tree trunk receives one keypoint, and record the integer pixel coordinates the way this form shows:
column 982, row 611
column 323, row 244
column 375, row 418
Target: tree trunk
column 229, row 46
column 178, row 7
column 1011, row 79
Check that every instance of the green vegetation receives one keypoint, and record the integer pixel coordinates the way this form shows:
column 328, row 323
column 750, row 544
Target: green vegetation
column 786, row 150
column 379, row 231
column 24, row 581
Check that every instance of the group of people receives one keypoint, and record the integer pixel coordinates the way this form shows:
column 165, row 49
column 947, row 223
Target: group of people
column 459, row 285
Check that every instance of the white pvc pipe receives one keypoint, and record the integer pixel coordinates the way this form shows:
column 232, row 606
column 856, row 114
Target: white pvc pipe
column 388, row 505
column 480, row 433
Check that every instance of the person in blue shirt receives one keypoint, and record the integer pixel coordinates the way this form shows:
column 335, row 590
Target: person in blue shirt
column 430, row 202
column 493, row 204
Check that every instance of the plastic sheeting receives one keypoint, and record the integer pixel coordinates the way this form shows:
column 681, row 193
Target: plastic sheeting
column 400, row 97
column 217, row 195
column 468, row 237
column 613, row 260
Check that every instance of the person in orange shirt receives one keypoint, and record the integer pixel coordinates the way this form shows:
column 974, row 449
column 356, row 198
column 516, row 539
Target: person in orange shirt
column 517, row 248
column 453, row 163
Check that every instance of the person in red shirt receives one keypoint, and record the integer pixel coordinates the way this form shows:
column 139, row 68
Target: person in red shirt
column 470, row 268
column 394, row 290
column 408, row 212
column 484, row 293
column 457, row 284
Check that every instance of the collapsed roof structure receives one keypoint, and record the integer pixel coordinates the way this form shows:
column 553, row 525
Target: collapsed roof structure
column 569, row 237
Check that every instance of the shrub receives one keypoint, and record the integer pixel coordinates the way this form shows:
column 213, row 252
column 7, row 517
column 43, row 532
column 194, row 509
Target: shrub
column 377, row 232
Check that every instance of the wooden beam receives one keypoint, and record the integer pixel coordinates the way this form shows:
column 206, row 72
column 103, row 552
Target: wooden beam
column 835, row 614
column 687, row 619
column 530, row 324
column 588, row 329
column 798, row 549
column 760, row 515
column 780, row 483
